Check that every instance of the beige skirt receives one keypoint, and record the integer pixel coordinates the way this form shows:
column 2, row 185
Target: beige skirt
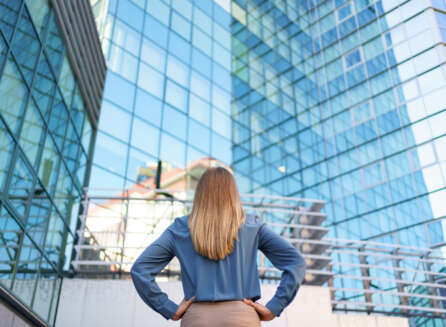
column 220, row 314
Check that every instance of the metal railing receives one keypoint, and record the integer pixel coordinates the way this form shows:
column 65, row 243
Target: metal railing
column 365, row 276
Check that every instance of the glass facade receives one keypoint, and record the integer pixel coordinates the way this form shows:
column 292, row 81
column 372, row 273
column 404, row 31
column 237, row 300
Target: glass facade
column 168, row 88
column 344, row 101
column 45, row 137
column 337, row 100
column 341, row 100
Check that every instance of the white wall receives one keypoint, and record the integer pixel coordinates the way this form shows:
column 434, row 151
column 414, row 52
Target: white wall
column 115, row 303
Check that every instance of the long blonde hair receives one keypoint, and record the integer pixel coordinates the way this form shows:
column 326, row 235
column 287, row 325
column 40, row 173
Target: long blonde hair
column 216, row 214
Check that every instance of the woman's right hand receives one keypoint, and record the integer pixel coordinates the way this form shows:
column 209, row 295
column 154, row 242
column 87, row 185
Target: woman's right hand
column 182, row 308
column 264, row 313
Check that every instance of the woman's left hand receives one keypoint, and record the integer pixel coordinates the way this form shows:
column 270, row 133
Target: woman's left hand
column 264, row 313
column 182, row 308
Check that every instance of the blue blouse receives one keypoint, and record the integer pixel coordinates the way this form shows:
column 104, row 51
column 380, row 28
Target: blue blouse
column 233, row 278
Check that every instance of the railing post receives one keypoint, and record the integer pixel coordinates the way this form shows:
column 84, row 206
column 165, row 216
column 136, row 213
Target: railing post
column 81, row 230
column 365, row 272
column 432, row 290
column 404, row 300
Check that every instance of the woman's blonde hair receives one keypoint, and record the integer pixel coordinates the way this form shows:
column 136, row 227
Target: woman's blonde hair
column 216, row 214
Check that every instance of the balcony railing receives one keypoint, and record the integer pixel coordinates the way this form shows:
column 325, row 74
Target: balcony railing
column 363, row 276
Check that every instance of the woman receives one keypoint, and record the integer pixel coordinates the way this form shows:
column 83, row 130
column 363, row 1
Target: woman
column 216, row 245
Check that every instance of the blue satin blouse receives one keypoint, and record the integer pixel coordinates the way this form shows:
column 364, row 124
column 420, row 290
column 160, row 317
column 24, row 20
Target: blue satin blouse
column 233, row 278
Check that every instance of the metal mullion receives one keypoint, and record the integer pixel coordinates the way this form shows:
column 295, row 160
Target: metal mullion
column 397, row 306
column 396, row 281
column 22, row 226
column 385, row 292
column 389, row 256
column 16, row 23
column 388, row 268
column 37, row 276
column 79, row 237
column 8, row 49
column 53, row 297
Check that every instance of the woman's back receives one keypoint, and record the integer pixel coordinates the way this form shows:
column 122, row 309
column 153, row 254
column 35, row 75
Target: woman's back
column 233, row 278
column 216, row 244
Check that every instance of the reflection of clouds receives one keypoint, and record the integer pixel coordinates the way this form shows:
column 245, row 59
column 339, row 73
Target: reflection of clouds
column 423, row 92
column 437, row 200
column 126, row 228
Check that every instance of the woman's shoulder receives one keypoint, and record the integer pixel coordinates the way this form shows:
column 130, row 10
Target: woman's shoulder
column 179, row 226
column 253, row 220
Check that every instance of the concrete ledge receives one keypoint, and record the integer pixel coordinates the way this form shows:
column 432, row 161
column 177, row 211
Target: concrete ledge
column 114, row 303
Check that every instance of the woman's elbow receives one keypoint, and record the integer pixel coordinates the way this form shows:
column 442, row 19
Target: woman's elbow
column 300, row 264
column 135, row 270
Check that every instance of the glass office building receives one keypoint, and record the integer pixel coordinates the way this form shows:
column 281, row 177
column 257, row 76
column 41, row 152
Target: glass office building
column 336, row 100
column 168, row 88
column 47, row 124
column 342, row 100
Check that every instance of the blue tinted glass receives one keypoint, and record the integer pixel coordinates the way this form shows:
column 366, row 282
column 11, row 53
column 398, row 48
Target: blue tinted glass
column 205, row 5
column 222, row 56
column 112, row 6
column 193, row 154
column 126, row 37
column 177, row 71
column 221, row 76
column 110, row 153
column 222, row 16
column 183, row 7
column 54, row 46
column 174, row 122
column 202, row 21
column 2, row 51
column 172, row 150
column 221, row 148
column 181, row 25
column 155, row 31
column 159, row 10
column 353, row 58
column 12, row 103
column 356, row 76
column 148, row 107
column 366, row 15
column 100, row 176
column 114, row 121
column 202, row 41
column 347, row 26
column 119, row 91
column 153, row 55
column 221, row 123
column 43, row 86
column 344, row 12
column 150, row 80
column 130, row 13
column 179, row 47
column 201, row 62
column 199, row 135
column 200, row 85
column 221, row 99
column 176, row 96
column 376, row 65
column 145, row 137
column 137, row 159
column 199, row 109
column 25, row 45
column 6, row 144
column 9, row 15
column 123, row 63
